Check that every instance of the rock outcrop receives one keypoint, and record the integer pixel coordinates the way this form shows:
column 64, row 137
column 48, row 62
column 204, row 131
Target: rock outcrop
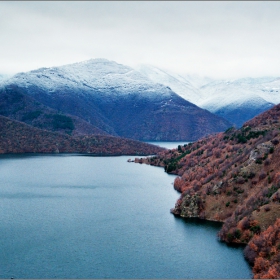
column 234, row 177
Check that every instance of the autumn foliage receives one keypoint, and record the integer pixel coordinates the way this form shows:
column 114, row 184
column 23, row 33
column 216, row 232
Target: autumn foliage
column 263, row 252
column 233, row 177
column 17, row 137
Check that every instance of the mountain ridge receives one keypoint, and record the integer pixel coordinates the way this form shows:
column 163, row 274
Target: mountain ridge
column 225, row 98
column 15, row 104
column 118, row 100
column 18, row 137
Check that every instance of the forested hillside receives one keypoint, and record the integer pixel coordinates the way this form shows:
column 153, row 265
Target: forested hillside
column 234, row 177
column 17, row 105
column 18, row 137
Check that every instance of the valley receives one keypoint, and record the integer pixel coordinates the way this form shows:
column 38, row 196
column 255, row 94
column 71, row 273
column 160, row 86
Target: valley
column 228, row 170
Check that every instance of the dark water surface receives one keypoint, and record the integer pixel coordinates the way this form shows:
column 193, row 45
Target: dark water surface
column 66, row 216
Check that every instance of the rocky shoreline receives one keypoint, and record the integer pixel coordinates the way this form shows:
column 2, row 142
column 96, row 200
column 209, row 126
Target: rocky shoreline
column 234, row 178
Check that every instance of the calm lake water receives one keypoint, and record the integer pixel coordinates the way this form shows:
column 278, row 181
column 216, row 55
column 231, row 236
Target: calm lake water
column 168, row 145
column 72, row 216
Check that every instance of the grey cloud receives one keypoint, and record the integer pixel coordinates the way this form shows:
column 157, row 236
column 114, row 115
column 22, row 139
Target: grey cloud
column 209, row 38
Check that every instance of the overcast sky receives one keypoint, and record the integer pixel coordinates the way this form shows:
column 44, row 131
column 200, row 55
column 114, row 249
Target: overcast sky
column 215, row 39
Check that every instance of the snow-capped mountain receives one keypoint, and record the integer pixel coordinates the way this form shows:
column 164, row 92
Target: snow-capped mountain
column 4, row 77
column 177, row 83
column 118, row 100
column 236, row 100
column 265, row 89
column 239, row 100
column 96, row 74
column 269, row 89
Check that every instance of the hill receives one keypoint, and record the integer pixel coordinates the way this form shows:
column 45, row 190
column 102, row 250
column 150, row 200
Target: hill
column 234, row 177
column 185, row 87
column 235, row 100
column 117, row 100
column 18, row 137
column 239, row 100
column 17, row 105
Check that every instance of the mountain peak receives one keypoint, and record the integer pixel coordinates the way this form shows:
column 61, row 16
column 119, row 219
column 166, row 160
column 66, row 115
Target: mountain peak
column 118, row 100
column 94, row 61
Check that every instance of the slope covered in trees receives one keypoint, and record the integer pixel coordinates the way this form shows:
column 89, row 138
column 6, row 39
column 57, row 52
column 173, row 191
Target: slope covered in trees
column 234, row 177
column 18, row 137
column 17, row 105
column 113, row 98
column 263, row 251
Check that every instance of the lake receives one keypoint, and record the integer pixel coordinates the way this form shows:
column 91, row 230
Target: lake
column 74, row 216
column 168, row 145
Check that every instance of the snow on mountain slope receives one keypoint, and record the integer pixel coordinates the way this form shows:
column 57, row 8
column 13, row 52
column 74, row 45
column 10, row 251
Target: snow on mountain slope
column 270, row 90
column 176, row 82
column 4, row 77
column 215, row 94
column 239, row 100
column 236, row 108
column 198, row 81
column 98, row 74
column 118, row 100
column 236, row 100
column 226, row 93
